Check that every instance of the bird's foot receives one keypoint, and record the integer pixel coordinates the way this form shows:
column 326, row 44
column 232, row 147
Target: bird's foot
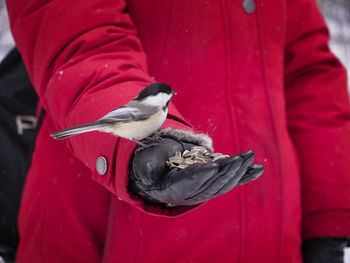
column 139, row 142
column 155, row 136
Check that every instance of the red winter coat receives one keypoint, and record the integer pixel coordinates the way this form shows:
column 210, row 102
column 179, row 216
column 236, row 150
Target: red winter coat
column 262, row 80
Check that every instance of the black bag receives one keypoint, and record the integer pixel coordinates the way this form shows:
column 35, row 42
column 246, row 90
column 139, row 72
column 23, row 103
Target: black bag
column 18, row 103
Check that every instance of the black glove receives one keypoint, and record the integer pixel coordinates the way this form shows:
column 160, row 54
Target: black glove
column 152, row 180
column 324, row 250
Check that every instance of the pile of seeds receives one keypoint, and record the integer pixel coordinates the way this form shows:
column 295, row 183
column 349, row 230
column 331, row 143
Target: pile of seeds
column 197, row 154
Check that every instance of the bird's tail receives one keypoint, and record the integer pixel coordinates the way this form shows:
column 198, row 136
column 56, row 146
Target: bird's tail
column 76, row 130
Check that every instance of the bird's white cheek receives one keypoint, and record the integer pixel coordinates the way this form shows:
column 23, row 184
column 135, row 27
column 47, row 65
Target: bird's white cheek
column 159, row 100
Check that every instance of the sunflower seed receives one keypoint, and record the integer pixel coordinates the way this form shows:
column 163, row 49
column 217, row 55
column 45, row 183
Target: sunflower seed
column 199, row 148
column 176, row 159
column 219, row 157
column 197, row 154
column 215, row 154
column 178, row 154
column 182, row 166
column 185, row 153
column 199, row 159
column 189, row 153
column 189, row 161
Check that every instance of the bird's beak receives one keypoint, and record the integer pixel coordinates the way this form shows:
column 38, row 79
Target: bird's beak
column 174, row 92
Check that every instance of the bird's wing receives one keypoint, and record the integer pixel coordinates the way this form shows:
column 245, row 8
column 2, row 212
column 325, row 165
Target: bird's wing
column 129, row 112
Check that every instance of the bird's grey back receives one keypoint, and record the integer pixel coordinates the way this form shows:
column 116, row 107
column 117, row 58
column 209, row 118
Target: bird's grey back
column 132, row 111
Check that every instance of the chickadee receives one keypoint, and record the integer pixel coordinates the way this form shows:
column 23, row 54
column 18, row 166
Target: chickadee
column 136, row 120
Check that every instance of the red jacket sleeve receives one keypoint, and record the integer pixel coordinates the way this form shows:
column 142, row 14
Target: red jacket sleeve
column 85, row 59
column 319, row 121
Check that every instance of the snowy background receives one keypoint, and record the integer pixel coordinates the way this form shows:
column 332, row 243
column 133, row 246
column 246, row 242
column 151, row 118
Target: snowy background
column 337, row 16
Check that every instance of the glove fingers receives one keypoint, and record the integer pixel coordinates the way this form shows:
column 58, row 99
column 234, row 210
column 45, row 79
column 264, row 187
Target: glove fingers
column 254, row 171
column 249, row 158
column 183, row 183
column 217, row 181
column 230, row 172
column 194, row 176
column 203, row 174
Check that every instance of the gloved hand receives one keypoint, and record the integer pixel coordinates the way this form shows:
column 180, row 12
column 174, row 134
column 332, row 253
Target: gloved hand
column 152, row 180
column 324, row 250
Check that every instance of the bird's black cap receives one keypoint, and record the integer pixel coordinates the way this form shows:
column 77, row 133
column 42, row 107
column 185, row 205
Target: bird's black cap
column 153, row 90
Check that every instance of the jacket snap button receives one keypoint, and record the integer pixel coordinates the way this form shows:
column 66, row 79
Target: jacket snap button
column 249, row 6
column 101, row 165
